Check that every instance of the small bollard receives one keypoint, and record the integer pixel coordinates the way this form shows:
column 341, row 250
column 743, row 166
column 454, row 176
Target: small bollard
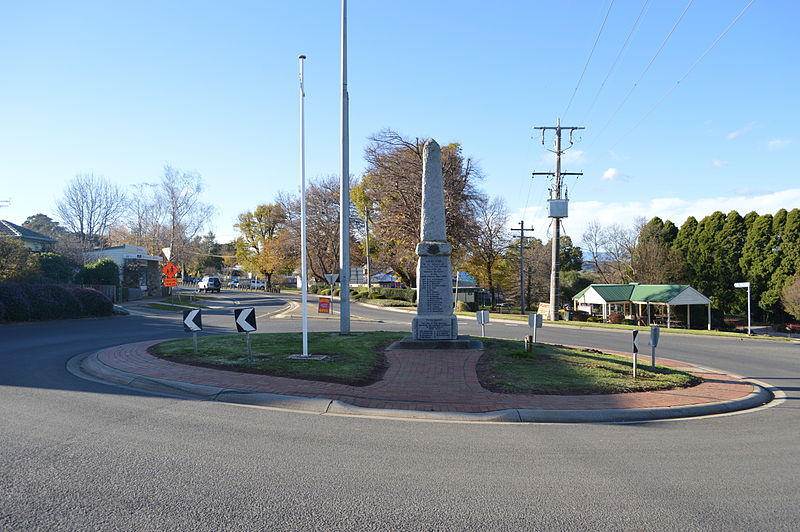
column 529, row 343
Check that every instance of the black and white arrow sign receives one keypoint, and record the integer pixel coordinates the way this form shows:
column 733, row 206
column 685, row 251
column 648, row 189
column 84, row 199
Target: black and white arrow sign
column 245, row 319
column 635, row 342
column 192, row 320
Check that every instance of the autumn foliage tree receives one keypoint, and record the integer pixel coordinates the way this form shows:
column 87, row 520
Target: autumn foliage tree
column 263, row 245
column 393, row 184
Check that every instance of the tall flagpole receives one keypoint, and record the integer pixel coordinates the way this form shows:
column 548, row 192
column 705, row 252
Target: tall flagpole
column 344, row 196
column 303, row 270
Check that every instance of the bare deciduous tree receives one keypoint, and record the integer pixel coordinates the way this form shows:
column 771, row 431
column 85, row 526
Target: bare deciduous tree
column 90, row 206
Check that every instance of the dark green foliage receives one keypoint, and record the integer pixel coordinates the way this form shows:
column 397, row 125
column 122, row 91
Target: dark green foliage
column 15, row 300
column 25, row 302
column 93, row 302
column 55, row 268
column 570, row 257
column 104, row 271
column 17, row 263
column 403, row 294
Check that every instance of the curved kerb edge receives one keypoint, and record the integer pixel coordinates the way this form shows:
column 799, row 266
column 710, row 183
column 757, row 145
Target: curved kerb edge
column 95, row 368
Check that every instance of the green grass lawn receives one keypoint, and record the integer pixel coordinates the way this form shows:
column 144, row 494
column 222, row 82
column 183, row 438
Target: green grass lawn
column 551, row 369
column 356, row 359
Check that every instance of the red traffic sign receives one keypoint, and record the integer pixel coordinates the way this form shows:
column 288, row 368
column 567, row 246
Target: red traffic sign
column 171, row 282
column 170, row 270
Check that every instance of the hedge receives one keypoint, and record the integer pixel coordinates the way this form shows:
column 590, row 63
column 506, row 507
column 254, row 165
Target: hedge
column 25, row 302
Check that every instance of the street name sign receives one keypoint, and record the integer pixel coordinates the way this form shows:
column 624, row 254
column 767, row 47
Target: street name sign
column 192, row 320
column 245, row 319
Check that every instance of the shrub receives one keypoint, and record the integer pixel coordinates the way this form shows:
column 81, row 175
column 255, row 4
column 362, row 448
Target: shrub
column 580, row 315
column 464, row 306
column 16, row 302
column 104, row 271
column 594, row 319
column 336, row 291
column 93, row 302
column 324, row 292
column 52, row 302
column 615, row 318
column 628, row 321
column 377, row 296
column 404, row 294
column 364, row 294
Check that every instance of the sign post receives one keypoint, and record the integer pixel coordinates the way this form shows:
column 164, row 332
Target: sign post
column 193, row 322
column 635, row 350
column 331, row 278
column 746, row 285
column 246, row 322
column 535, row 322
column 483, row 318
column 653, row 342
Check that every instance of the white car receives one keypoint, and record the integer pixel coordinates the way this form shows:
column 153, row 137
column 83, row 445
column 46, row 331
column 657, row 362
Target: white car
column 254, row 284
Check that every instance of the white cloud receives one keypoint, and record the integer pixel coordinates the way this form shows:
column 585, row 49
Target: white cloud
column 719, row 164
column 741, row 131
column 675, row 209
column 778, row 144
column 611, row 174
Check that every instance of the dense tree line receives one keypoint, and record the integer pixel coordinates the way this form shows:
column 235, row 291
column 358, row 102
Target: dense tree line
column 710, row 254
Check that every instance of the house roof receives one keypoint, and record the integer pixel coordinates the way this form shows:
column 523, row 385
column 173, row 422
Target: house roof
column 11, row 229
column 673, row 294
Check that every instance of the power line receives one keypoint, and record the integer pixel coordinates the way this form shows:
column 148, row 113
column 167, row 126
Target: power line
column 641, row 76
column 599, row 33
column 686, row 74
column 619, row 54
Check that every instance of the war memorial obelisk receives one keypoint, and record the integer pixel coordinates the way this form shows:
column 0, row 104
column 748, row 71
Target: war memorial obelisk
column 435, row 326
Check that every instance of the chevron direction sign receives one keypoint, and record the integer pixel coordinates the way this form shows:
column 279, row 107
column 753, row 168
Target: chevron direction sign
column 245, row 319
column 192, row 320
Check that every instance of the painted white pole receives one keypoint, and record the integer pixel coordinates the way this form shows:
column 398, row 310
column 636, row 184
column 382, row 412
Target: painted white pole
column 344, row 199
column 749, row 331
column 303, row 271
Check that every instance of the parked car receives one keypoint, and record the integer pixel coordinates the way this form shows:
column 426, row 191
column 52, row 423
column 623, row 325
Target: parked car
column 254, row 284
column 234, row 283
column 209, row 284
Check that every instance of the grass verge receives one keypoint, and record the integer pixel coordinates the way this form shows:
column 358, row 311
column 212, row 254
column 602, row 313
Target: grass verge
column 664, row 330
column 357, row 360
column 506, row 367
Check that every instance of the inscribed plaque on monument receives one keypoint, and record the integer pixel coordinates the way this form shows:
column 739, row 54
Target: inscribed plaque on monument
column 434, row 329
column 435, row 285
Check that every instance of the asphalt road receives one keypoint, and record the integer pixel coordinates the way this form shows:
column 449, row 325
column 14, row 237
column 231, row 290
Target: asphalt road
column 79, row 455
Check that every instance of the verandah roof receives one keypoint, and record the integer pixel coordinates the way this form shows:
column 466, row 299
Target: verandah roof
column 669, row 294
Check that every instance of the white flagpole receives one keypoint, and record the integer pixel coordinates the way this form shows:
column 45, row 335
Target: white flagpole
column 344, row 186
column 303, row 272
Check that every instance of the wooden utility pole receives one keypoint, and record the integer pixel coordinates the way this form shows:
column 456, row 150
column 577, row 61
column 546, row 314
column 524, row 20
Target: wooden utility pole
column 557, row 209
column 521, row 237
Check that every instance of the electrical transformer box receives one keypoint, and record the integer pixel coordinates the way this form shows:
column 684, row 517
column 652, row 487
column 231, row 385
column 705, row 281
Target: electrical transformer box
column 557, row 208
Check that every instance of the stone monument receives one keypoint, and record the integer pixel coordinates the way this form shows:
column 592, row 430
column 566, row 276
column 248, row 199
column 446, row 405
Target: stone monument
column 435, row 326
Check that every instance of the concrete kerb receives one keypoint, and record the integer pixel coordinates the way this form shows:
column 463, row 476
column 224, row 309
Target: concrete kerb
column 90, row 365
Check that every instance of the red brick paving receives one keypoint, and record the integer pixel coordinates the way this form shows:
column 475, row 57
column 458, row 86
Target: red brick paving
column 425, row 380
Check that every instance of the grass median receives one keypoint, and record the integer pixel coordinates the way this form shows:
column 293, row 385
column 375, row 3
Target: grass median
column 359, row 360
column 506, row 367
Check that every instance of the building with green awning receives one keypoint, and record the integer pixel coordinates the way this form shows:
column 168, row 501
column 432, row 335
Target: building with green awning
column 643, row 302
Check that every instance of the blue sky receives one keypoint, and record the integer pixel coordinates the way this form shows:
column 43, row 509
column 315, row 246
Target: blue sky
column 121, row 88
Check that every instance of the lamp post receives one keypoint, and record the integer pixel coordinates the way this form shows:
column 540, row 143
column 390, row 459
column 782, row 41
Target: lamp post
column 746, row 285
